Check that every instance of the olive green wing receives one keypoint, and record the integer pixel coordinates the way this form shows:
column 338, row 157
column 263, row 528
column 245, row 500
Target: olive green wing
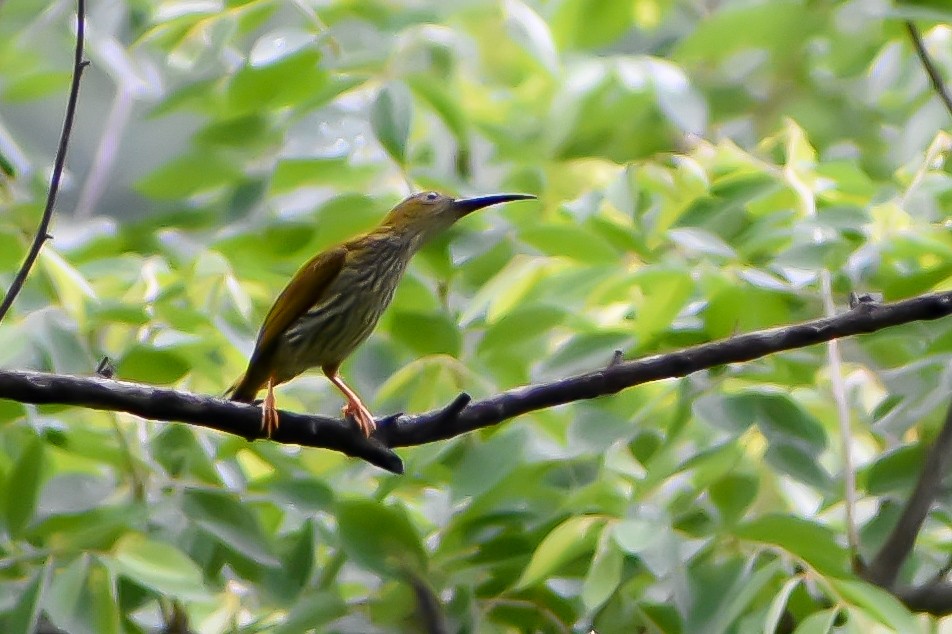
column 305, row 289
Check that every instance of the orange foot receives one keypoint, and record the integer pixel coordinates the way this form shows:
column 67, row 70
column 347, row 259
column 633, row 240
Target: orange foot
column 269, row 413
column 359, row 412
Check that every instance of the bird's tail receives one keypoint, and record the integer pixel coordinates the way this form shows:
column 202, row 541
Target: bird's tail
column 241, row 391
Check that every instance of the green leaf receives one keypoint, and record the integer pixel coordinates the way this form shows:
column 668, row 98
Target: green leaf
column 667, row 291
column 879, row 604
column 231, row 523
column 156, row 565
column 604, row 575
column 311, row 611
column 591, row 23
column 22, row 487
column 188, row 175
column 390, row 118
column 779, row 27
column 145, row 364
column 740, row 600
column 800, row 463
column 282, row 82
column 524, row 325
column 446, row 104
column 895, row 470
column 442, row 334
column 292, row 173
column 779, row 604
column 814, row 544
column 11, row 249
column 33, row 86
column 819, row 622
column 570, row 241
column 297, row 556
column 82, row 600
column 569, row 540
column 379, row 538
column 733, row 494
column 25, row 614
column 532, row 33
column 278, row 44
column 72, row 289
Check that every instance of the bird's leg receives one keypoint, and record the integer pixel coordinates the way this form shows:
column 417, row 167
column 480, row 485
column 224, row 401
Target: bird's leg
column 355, row 407
column 269, row 413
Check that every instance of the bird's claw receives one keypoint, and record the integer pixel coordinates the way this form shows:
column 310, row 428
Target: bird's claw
column 269, row 416
column 362, row 416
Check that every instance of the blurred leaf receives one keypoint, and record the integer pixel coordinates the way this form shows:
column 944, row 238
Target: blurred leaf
column 32, row 86
column 72, row 288
column 572, row 538
column 733, row 494
column 188, row 175
column 443, row 336
column 22, row 487
column 282, row 81
column 572, row 242
column 311, row 611
column 816, row 545
column 291, row 173
column 233, row 525
column 81, row 599
column 779, row 28
column 604, row 575
column 800, row 463
column 379, row 538
column 819, row 622
column 896, row 470
column 591, row 23
column 532, row 33
column 524, row 325
column 156, row 565
column 879, row 604
column 24, row 616
column 390, row 117
column 278, row 44
column 144, row 364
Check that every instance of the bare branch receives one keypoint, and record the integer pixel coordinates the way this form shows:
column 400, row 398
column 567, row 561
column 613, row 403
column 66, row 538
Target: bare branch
column 403, row 431
column 460, row 416
column 884, row 569
column 163, row 404
column 934, row 598
column 42, row 232
column 937, row 83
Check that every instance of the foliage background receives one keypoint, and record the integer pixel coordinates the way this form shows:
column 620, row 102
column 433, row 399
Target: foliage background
column 703, row 168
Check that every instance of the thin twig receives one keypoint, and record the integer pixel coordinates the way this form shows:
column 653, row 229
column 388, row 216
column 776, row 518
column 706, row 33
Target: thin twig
column 42, row 232
column 929, row 65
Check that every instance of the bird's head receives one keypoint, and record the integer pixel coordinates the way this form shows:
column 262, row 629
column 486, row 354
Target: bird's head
column 428, row 213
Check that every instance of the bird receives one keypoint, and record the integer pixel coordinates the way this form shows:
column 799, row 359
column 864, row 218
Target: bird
column 333, row 303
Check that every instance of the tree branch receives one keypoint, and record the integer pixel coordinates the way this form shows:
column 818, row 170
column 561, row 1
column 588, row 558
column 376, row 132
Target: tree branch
column 42, row 232
column 163, row 404
column 884, row 569
column 460, row 416
column 403, row 431
column 929, row 65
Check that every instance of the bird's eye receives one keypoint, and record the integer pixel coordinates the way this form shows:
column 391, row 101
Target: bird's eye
column 431, row 196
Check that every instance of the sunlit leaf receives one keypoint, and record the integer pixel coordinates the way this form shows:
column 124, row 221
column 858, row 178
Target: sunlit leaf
column 570, row 539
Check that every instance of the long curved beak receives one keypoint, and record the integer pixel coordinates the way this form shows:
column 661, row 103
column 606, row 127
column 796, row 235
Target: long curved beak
column 469, row 205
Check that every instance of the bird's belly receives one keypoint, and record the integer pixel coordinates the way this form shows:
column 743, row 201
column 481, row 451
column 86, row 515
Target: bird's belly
column 329, row 332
